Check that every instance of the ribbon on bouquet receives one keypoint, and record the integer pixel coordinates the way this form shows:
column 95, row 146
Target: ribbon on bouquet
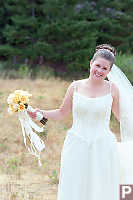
column 18, row 104
column 28, row 128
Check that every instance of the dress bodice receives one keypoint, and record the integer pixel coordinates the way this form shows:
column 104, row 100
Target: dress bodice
column 91, row 116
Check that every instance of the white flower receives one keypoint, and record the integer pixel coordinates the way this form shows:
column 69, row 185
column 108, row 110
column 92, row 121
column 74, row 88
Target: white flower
column 23, row 93
column 18, row 92
column 9, row 111
column 10, row 98
column 15, row 106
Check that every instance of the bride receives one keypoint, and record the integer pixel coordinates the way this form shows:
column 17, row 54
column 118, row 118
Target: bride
column 93, row 162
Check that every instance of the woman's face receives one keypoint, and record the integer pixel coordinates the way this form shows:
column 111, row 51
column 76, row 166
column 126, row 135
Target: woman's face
column 99, row 68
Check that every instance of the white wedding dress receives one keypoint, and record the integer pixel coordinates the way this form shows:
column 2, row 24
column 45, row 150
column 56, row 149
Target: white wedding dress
column 90, row 159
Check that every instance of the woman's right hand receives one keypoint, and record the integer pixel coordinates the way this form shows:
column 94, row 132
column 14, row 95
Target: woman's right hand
column 33, row 114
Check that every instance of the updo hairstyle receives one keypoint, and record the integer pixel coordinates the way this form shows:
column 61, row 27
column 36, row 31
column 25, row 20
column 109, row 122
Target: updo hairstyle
column 105, row 51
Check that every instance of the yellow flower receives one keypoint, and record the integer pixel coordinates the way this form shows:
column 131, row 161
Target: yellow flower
column 21, row 107
column 23, row 99
column 12, row 108
column 22, row 95
column 16, row 99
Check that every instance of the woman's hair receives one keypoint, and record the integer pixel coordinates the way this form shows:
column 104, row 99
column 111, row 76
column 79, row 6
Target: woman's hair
column 105, row 51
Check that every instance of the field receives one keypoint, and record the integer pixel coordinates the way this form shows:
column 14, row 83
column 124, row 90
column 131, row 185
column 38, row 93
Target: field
column 20, row 176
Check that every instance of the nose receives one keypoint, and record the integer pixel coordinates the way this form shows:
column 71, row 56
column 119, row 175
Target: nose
column 100, row 70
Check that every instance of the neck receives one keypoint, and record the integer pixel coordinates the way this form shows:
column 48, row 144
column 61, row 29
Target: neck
column 93, row 82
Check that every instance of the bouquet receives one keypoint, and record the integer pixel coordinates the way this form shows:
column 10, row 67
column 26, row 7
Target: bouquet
column 18, row 104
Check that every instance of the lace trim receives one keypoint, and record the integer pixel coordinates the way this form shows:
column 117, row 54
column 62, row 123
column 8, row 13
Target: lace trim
column 110, row 86
column 75, row 88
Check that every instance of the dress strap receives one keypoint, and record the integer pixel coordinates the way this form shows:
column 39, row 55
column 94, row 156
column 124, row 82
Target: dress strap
column 75, row 86
column 110, row 85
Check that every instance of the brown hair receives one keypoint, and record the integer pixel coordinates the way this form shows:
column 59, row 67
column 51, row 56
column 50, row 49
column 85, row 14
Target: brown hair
column 105, row 51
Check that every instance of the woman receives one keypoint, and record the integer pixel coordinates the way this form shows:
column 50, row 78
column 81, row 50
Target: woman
column 90, row 167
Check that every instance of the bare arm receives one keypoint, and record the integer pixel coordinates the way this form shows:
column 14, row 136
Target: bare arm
column 115, row 105
column 64, row 109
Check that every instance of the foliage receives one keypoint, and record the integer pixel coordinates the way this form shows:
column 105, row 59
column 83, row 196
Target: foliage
column 63, row 32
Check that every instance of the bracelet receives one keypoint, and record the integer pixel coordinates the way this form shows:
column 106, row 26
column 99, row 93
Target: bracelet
column 43, row 112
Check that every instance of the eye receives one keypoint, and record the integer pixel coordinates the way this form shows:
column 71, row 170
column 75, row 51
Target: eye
column 105, row 68
column 98, row 65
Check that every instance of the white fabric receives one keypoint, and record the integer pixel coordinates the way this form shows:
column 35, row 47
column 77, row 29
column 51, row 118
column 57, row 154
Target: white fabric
column 89, row 159
column 126, row 102
column 92, row 161
column 126, row 161
column 125, row 147
column 36, row 144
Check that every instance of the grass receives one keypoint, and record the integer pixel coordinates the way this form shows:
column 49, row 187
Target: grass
column 19, row 169
column 15, row 160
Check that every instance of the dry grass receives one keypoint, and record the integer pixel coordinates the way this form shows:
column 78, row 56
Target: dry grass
column 21, row 178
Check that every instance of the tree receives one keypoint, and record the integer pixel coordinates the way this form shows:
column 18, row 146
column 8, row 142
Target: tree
column 63, row 32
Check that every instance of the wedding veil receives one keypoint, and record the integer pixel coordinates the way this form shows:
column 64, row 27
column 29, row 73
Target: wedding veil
column 126, row 102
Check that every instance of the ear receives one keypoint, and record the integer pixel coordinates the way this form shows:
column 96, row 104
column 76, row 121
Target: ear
column 90, row 62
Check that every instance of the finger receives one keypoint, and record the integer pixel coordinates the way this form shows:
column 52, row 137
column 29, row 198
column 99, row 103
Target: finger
column 37, row 110
column 29, row 113
column 32, row 114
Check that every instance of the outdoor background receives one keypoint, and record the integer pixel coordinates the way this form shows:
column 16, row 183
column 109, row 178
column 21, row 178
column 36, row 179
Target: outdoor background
column 44, row 46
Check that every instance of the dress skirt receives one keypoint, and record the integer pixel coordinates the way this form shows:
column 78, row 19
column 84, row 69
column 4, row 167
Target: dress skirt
column 89, row 171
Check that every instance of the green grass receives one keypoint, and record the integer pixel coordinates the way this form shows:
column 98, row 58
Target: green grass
column 125, row 62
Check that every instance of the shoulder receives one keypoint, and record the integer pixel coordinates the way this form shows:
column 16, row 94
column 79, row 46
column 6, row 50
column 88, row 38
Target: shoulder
column 74, row 84
column 114, row 90
column 113, row 85
column 78, row 82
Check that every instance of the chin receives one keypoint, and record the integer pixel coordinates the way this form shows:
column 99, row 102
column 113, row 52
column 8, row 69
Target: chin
column 98, row 78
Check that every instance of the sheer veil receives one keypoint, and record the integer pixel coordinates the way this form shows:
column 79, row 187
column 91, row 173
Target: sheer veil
column 126, row 102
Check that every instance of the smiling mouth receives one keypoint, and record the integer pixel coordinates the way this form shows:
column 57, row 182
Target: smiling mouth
column 98, row 75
